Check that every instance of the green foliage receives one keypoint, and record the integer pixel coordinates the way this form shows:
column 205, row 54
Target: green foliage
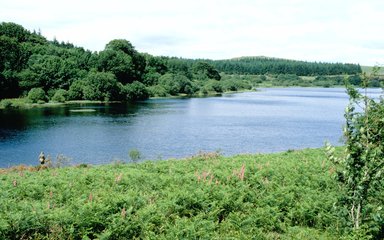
column 60, row 95
column 157, row 91
column 121, row 58
column 136, row 91
column 37, row 94
column 11, row 61
column 232, row 83
column 360, row 170
column 176, row 83
column 117, row 62
column 11, row 54
column 204, row 70
column 275, row 196
column 266, row 65
column 75, row 91
column 354, row 80
column 180, row 66
column 328, row 81
column 213, row 86
column 134, row 155
column 155, row 64
column 5, row 103
column 15, row 103
column 49, row 71
column 100, row 86
column 151, row 78
column 13, row 30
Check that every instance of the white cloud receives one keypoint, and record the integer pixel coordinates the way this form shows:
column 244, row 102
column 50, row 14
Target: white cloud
column 320, row 30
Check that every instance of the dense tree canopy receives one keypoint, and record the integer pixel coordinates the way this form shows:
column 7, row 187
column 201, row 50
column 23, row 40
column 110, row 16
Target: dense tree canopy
column 204, row 70
column 264, row 65
column 30, row 61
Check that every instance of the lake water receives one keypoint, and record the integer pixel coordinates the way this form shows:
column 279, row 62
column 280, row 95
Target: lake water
column 269, row 120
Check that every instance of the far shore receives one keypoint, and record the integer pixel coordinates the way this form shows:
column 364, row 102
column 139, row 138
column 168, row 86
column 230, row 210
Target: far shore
column 22, row 103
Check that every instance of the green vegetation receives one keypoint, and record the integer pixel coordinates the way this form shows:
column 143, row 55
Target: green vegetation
column 288, row 195
column 266, row 65
column 36, row 95
column 134, row 155
column 360, row 169
column 60, row 95
column 65, row 72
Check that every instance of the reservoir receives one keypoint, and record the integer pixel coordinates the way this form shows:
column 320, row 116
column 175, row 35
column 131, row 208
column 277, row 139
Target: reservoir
column 269, row 120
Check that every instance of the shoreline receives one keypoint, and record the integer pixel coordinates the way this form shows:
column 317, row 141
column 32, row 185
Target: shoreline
column 21, row 103
column 22, row 167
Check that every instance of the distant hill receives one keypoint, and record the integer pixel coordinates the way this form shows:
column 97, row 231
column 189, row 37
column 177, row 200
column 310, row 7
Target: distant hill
column 271, row 65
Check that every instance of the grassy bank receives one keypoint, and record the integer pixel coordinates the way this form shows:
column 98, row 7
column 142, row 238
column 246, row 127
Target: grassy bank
column 274, row 196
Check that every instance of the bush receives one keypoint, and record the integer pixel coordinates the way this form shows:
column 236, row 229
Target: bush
column 75, row 91
column 355, row 80
column 101, row 86
column 5, row 103
column 136, row 91
column 213, row 86
column 37, row 95
column 360, row 169
column 60, row 96
column 234, row 85
column 176, row 83
column 157, row 91
column 135, row 155
column 151, row 78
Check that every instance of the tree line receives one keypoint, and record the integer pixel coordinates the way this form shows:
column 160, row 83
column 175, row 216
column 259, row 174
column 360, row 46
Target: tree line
column 31, row 65
column 266, row 65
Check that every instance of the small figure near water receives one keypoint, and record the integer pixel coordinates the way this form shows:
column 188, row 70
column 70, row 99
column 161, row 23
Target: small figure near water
column 42, row 158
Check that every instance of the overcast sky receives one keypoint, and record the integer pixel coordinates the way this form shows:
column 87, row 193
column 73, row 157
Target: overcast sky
column 314, row 30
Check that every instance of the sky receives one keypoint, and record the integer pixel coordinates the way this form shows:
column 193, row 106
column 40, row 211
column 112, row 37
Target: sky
column 348, row 31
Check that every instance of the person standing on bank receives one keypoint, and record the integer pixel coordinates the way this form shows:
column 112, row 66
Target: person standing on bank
column 42, row 158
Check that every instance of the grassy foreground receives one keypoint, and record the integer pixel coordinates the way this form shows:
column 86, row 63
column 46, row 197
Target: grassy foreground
column 273, row 196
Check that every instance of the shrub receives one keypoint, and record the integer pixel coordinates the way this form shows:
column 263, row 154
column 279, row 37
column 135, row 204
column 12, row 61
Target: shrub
column 157, row 91
column 60, row 96
column 75, row 91
column 101, row 86
column 136, row 91
column 176, row 83
column 213, row 86
column 360, row 169
column 36, row 94
column 151, row 78
column 355, row 80
column 135, row 155
column 6, row 103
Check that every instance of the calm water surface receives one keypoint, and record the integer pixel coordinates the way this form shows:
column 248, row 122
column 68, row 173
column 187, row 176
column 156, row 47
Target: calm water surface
column 270, row 120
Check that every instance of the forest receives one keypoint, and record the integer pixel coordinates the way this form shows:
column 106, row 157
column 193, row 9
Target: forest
column 42, row 70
